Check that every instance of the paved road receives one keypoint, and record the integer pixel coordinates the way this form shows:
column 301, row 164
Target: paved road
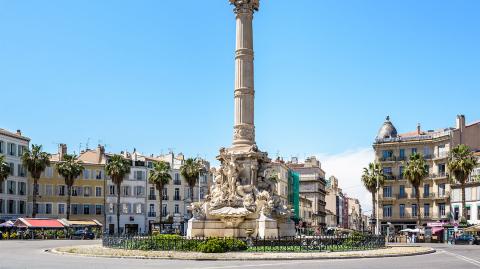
column 31, row 254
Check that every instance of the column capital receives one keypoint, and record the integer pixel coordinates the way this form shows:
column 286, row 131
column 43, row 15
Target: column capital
column 245, row 6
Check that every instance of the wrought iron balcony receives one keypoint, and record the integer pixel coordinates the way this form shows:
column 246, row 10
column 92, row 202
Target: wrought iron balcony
column 152, row 214
column 152, row 197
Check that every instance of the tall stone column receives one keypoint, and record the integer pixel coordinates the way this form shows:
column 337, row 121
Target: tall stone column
column 244, row 126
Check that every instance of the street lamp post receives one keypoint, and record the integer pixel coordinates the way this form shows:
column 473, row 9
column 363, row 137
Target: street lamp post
column 377, row 224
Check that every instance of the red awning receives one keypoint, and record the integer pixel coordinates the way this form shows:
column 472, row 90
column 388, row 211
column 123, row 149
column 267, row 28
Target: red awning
column 436, row 230
column 39, row 223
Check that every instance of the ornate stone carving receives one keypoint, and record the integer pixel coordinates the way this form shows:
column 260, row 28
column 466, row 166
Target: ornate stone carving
column 245, row 5
column 244, row 132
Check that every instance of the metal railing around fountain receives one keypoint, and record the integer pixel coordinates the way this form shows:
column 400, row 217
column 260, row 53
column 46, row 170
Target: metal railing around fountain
column 322, row 243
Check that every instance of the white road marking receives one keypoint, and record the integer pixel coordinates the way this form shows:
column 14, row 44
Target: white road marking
column 463, row 258
column 264, row 264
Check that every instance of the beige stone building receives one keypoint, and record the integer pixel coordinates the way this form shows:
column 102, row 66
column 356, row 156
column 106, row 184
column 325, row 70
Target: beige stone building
column 312, row 186
column 281, row 170
column 87, row 201
column 397, row 203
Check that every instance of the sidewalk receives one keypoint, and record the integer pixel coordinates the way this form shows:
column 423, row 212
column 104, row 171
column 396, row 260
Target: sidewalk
column 99, row 251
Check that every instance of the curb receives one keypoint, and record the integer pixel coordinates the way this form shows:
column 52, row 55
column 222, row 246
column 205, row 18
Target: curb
column 253, row 258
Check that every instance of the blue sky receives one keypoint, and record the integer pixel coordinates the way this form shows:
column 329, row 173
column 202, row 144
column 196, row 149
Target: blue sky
column 159, row 74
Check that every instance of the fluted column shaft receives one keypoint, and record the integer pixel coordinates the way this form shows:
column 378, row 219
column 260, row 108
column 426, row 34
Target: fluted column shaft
column 244, row 126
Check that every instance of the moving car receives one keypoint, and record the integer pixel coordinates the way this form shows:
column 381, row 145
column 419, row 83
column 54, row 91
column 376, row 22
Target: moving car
column 83, row 234
column 466, row 239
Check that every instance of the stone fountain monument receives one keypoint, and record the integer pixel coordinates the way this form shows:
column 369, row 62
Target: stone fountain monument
column 242, row 201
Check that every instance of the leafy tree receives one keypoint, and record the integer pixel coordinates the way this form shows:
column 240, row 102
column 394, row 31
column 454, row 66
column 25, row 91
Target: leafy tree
column 160, row 176
column 70, row 169
column 36, row 161
column 461, row 163
column 370, row 176
column 415, row 171
column 190, row 170
column 4, row 169
column 117, row 168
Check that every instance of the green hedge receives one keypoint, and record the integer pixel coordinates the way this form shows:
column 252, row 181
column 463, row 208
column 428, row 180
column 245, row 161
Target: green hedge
column 176, row 242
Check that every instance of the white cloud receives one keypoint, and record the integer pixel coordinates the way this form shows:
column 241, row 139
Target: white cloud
column 347, row 167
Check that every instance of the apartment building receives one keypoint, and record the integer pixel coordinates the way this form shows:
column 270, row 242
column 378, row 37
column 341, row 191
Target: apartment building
column 133, row 197
column 397, row 200
column 282, row 172
column 312, row 186
column 472, row 198
column 334, row 203
column 13, row 191
column 87, row 199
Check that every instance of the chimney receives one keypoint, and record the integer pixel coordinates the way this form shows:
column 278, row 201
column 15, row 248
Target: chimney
column 461, row 122
column 100, row 153
column 419, row 128
column 19, row 132
column 62, row 151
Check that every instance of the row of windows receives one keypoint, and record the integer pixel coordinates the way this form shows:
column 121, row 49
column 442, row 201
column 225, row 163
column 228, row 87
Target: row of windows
column 126, row 208
column 127, row 191
column 388, row 171
column 18, row 171
column 151, row 210
column 12, row 207
column 86, row 174
column 469, row 195
column 388, row 211
column 388, row 191
column 11, row 149
column 13, row 187
column 442, row 152
column 75, row 209
column 61, row 190
column 457, row 215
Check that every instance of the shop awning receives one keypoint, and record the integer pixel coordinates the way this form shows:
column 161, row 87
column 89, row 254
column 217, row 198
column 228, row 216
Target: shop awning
column 38, row 223
column 80, row 223
column 475, row 228
column 436, row 230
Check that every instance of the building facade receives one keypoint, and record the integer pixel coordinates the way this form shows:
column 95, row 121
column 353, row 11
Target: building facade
column 282, row 172
column 397, row 202
column 176, row 195
column 87, row 199
column 13, row 191
column 312, row 186
column 472, row 198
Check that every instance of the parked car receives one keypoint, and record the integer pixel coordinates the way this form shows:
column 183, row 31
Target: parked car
column 83, row 234
column 466, row 239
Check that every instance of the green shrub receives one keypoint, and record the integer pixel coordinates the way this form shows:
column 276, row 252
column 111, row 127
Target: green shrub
column 354, row 239
column 213, row 245
column 235, row 244
column 167, row 236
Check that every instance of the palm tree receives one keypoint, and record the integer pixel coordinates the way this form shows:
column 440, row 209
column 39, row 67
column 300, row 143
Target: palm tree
column 415, row 171
column 36, row 161
column 461, row 163
column 160, row 176
column 117, row 168
column 70, row 169
column 4, row 170
column 370, row 176
column 190, row 170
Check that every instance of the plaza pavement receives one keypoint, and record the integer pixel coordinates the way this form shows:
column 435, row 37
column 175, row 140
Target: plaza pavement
column 31, row 254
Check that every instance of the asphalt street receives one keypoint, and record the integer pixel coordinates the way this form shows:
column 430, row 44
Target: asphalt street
column 31, row 254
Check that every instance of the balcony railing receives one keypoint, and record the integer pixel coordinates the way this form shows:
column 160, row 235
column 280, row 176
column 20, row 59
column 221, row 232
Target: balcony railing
column 152, row 214
column 152, row 197
column 402, row 196
column 388, row 159
column 165, row 197
column 177, row 182
column 177, row 198
column 441, row 155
